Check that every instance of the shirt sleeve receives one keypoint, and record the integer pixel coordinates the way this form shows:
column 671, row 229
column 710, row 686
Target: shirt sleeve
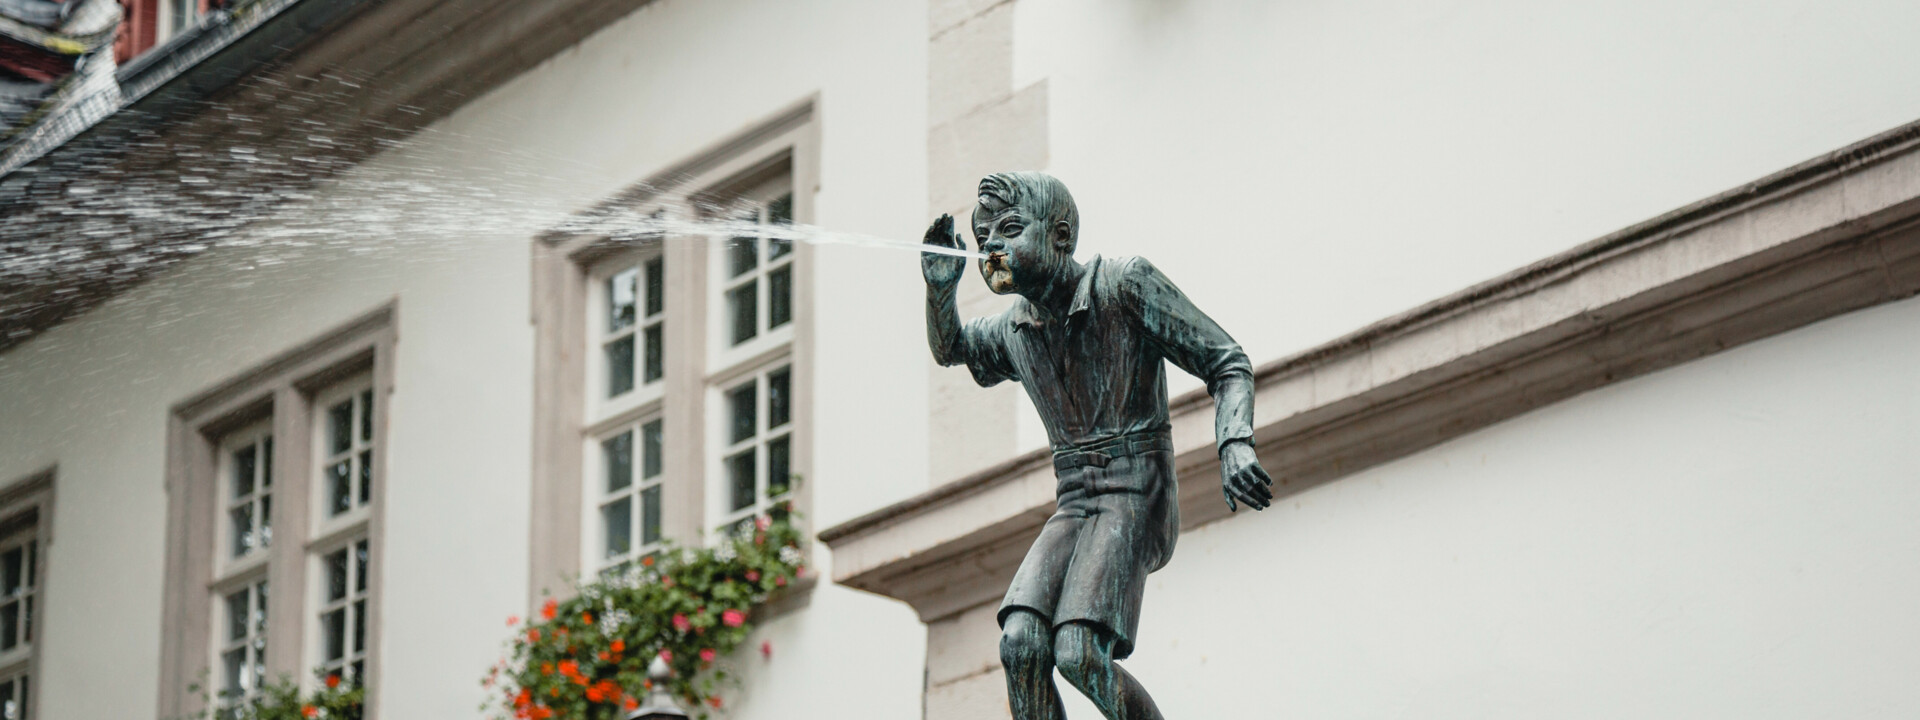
column 1194, row 343
column 983, row 345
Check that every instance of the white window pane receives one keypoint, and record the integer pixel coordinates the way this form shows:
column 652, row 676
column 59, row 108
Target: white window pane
column 620, row 299
column 743, row 306
column 340, row 427
column 742, row 404
column 619, row 358
column 740, row 480
column 617, row 518
column 618, row 453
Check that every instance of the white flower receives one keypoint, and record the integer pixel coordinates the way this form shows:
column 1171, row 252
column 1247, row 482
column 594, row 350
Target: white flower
column 725, row 552
column 790, row 555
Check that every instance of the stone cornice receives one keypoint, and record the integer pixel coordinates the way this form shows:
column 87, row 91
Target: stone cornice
column 1819, row 239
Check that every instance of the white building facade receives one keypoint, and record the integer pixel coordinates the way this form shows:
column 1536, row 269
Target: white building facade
column 1657, row 473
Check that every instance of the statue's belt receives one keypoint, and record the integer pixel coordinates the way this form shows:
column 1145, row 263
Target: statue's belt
column 1100, row 453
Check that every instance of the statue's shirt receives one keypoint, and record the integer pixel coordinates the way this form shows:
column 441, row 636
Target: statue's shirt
column 1096, row 375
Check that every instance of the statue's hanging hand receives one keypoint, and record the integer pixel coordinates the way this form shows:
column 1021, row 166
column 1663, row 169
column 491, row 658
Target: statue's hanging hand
column 943, row 271
column 1242, row 478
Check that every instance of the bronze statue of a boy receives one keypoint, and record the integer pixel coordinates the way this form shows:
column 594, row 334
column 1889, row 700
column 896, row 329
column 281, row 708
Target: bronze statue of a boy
column 1087, row 340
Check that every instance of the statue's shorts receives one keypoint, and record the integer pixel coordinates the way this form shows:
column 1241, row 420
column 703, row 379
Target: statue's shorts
column 1114, row 524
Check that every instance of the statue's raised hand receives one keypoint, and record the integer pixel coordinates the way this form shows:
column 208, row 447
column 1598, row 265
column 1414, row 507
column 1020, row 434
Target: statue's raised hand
column 943, row 271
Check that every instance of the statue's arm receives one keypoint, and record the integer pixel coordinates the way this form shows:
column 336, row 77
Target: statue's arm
column 1195, row 343
column 980, row 345
column 944, row 335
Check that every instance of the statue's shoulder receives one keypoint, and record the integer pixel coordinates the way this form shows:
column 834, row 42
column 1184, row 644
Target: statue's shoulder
column 1123, row 273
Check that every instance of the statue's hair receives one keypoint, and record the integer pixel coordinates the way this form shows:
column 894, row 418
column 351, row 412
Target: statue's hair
column 1041, row 194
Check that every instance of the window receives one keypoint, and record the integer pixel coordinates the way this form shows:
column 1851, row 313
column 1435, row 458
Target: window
column 757, row 289
column 628, row 495
column 346, row 428
column 248, row 494
column 182, row 15
column 756, row 464
column 343, row 612
column 245, row 494
column 263, row 582
column 243, row 646
column 631, row 328
column 22, row 507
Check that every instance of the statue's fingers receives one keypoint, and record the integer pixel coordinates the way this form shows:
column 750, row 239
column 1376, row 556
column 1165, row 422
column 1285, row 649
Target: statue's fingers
column 1261, row 473
column 1247, row 497
column 1256, row 484
column 1228, row 492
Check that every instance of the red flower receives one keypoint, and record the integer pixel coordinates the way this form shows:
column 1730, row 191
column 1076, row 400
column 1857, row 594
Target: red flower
column 607, row 689
column 631, row 704
column 619, row 646
column 586, row 618
column 604, row 656
column 533, row 635
column 680, row 622
column 550, row 609
column 524, row 699
column 706, row 655
column 569, row 668
column 733, row 618
column 546, row 668
column 766, row 649
column 714, row 701
column 761, row 523
column 647, row 561
column 780, row 581
column 333, row 681
column 666, row 656
column 759, row 538
column 593, row 694
column 513, row 620
column 666, row 581
column 309, row 711
column 753, row 576
column 541, row 712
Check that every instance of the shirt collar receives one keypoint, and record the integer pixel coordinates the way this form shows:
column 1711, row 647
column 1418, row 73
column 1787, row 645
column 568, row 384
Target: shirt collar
column 1082, row 299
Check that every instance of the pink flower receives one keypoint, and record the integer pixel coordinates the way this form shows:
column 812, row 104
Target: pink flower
column 766, row 649
column 513, row 620
column 680, row 622
column 706, row 655
column 733, row 618
column 761, row 523
column 780, row 581
column 666, row 656
column 753, row 576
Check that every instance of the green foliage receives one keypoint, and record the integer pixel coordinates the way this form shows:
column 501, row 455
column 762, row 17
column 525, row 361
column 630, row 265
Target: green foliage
column 282, row 700
column 586, row 657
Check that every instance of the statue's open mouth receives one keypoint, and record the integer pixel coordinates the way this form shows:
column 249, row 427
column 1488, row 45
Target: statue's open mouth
column 996, row 262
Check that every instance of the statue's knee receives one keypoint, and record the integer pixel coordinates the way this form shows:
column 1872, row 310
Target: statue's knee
column 1077, row 653
column 1023, row 645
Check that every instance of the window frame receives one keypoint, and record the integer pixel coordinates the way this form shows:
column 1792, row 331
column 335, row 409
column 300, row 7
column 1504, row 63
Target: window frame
column 593, row 551
column 757, row 202
column 355, row 620
column 26, row 511
column 258, row 435
column 253, row 644
column 720, row 513
column 289, row 390
column 602, row 405
column 567, row 426
column 357, row 391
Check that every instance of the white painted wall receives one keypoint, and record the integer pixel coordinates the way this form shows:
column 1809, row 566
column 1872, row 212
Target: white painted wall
column 1304, row 168
column 1731, row 538
column 650, row 90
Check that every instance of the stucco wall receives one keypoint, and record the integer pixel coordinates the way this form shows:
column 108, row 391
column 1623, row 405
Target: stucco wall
column 1729, row 538
column 92, row 395
column 1305, row 168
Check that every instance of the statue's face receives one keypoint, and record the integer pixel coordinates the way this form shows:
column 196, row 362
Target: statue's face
column 1019, row 256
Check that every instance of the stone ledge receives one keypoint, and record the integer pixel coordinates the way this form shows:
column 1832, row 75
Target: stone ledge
column 1825, row 237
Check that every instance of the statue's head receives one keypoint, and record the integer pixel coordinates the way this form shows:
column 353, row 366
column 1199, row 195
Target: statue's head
column 1027, row 225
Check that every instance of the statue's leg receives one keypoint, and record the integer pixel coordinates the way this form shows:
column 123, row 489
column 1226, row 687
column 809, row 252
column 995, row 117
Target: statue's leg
column 1026, row 651
column 1084, row 653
